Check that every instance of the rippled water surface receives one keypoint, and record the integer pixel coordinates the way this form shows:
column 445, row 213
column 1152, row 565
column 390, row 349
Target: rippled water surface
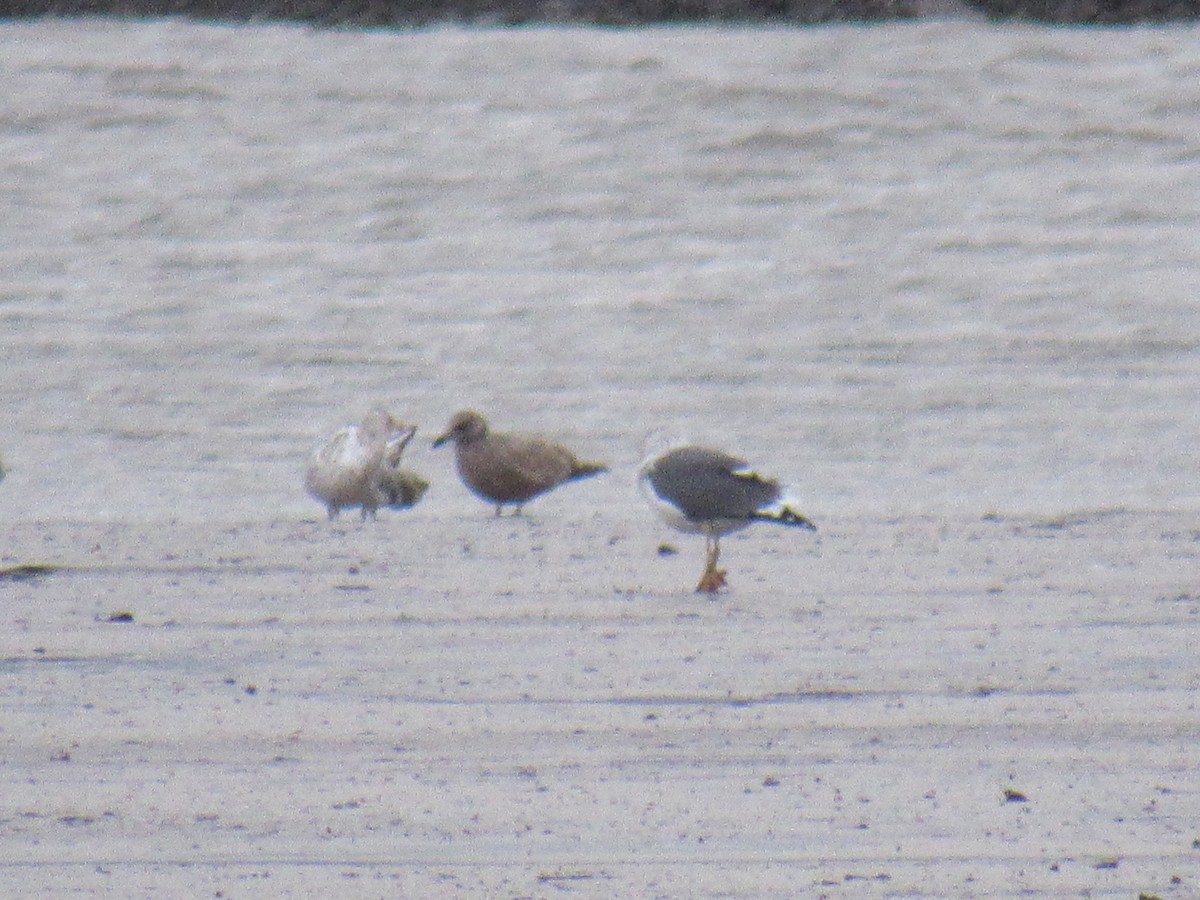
column 914, row 267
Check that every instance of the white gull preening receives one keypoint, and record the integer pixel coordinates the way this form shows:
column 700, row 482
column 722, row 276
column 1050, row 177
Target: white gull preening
column 359, row 465
column 701, row 491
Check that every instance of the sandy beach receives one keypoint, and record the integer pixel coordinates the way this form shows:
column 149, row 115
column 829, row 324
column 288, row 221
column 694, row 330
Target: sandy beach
column 938, row 276
column 432, row 706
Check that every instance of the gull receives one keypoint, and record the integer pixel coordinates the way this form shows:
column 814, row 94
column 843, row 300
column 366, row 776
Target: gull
column 701, row 491
column 359, row 465
column 509, row 469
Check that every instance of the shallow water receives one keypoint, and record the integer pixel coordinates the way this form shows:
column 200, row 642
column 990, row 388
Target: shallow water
column 915, row 268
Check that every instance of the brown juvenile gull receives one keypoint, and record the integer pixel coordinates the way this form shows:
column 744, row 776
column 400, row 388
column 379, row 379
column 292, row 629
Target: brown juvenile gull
column 510, row 469
column 360, row 466
column 702, row 491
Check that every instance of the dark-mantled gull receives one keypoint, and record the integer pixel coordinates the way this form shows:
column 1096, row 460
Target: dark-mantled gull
column 702, row 491
column 510, row 469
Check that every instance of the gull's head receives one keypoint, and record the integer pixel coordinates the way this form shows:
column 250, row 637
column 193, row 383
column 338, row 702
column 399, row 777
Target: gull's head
column 659, row 441
column 465, row 426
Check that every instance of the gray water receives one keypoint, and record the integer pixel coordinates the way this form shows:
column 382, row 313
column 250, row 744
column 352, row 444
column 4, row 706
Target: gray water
column 929, row 267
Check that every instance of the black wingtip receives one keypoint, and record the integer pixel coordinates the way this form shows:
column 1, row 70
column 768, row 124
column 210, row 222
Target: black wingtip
column 787, row 516
column 790, row 517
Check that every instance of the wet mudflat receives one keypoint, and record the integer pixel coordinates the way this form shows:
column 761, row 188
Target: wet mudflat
column 433, row 705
